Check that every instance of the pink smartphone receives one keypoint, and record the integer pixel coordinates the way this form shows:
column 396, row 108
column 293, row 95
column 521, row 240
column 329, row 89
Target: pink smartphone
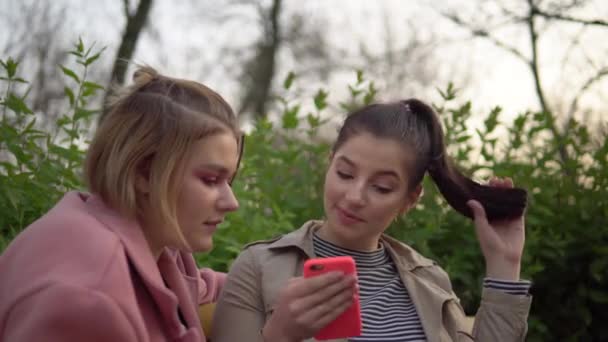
column 348, row 324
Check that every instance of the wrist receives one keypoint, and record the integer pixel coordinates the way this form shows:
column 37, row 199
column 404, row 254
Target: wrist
column 270, row 334
column 503, row 271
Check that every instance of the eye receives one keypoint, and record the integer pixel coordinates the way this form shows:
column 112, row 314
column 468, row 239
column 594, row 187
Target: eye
column 382, row 189
column 344, row 175
column 208, row 180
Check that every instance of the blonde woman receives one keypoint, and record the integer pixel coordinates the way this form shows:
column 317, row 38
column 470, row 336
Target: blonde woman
column 115, row 263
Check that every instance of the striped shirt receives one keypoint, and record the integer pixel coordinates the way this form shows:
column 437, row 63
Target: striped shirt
column 387, row 311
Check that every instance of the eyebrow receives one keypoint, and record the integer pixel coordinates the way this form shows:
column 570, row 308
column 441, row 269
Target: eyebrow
column 215, row 167
column 380, row 173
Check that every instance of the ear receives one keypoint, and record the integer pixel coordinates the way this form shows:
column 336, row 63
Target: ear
column 412, row 198
column 142, row 183
column 142, row 178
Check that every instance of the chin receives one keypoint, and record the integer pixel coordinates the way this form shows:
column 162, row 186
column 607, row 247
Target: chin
column 202, row 246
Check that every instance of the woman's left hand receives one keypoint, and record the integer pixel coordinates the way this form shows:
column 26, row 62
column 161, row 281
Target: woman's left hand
column 502, row 242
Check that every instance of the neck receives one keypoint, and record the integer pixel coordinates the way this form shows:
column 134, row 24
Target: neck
column 153, row 240
column 365, row 244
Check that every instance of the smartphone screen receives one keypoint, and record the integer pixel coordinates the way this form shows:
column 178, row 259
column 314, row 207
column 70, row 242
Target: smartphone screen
column 348, row 324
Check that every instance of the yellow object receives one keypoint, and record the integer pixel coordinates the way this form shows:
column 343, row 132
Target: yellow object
column 205, row 314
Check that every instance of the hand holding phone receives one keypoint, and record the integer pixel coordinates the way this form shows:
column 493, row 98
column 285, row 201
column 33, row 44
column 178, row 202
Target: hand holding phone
column 347, row 324
column 305, row 305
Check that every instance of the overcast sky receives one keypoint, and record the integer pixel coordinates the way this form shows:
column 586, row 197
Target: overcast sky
column 493, row 76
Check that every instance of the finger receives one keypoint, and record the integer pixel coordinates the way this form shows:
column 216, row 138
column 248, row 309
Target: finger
column 305, row 286
column 493, row 181
column 325, row 312
column 508, row 182
column 479, row 213
column 484, row 231
column 325, row 295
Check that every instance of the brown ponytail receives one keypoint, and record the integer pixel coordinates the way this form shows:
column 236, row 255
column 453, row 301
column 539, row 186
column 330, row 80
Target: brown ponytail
column 499, row 203
column 416, row 125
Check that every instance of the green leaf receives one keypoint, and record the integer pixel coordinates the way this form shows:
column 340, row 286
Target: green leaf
column 17, row 105
column 370, row 95
column 360, row 76
column 320, row 99
column 10, row 66
column 90, row 88
column 70, row 73
column 70, row 94
column 313, row 120
column 289, row 80
column 492, row 120
column 19, row 80
column 80, row 45
column 290, row 117
column 450, row 92
column 82, row 113
column 93, row 58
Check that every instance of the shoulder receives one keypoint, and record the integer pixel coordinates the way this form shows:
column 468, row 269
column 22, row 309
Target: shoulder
column 66, row 312
column 300, row 238
column 67, row 244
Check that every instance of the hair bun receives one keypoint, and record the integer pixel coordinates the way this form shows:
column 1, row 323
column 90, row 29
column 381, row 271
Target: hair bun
column 144, row 75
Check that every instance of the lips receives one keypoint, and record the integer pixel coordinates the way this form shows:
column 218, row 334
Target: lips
column 213, row 223
column 348, row 218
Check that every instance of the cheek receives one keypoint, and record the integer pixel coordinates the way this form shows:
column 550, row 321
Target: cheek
column 387, row 207
column 195, row 199
column 332, row 188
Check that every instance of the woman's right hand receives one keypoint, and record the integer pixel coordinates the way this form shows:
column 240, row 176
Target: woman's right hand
column 306, row 305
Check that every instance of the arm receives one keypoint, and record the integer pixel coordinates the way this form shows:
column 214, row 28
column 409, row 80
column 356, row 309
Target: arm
column 67, row 313
column 505, row 302
column 303, row 306
column 240, row 314
column 502, row 316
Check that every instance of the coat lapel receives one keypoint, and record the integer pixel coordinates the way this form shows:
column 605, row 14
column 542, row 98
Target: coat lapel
column 146, row 267
column 427, row 297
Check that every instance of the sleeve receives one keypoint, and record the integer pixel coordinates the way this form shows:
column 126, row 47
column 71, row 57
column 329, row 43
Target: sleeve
column 518, row 288
column 239, row 314
column 503, row 313
column 502, row 316
column 67, row 313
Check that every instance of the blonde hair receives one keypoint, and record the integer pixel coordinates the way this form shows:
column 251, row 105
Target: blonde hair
column 149, row 128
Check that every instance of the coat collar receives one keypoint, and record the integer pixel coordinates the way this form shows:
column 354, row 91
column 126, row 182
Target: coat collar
column 147, row 267
column 404, row 256
column 427, row 296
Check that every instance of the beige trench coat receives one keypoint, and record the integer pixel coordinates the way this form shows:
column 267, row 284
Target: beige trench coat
column 263, row 269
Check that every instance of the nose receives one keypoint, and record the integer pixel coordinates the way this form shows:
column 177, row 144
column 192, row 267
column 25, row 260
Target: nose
column 355, row 195
column 227, row 201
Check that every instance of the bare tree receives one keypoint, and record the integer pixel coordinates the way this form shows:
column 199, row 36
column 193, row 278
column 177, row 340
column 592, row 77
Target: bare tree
column 404, row 65
column 534, row 16
column 135, row 23
column 37, row 43
column 259, row 71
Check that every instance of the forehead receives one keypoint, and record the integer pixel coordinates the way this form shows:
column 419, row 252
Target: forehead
column 375, row 154
column 219, row 150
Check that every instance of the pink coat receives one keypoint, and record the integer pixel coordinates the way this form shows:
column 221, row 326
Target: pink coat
column 84, row 273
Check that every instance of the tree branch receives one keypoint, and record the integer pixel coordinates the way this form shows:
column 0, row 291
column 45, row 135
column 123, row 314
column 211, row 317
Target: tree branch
column 558, row 16
column 563, row 153
column 477, row 32
column 126, row 6
column 596, row 78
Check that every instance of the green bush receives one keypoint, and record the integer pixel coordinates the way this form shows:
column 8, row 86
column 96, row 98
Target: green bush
column 37, row 167
column 280, row 186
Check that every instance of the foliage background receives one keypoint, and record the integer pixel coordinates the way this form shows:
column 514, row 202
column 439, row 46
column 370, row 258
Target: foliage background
column 279, row 188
